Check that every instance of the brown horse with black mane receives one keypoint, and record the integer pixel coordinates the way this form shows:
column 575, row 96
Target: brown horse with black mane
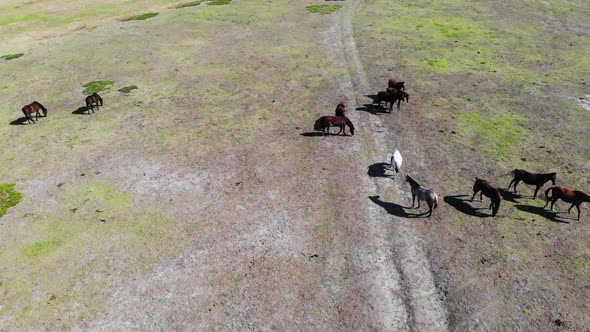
column 391, row 95
column 485, row 188
column 325, row 122
column 537, row 180
column 575, row 197
column 93, row 99
column 33, row 107
column 396, row 85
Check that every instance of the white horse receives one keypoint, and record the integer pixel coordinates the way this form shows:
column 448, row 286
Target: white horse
column 396, row 162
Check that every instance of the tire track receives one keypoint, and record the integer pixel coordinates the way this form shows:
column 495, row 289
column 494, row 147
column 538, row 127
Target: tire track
column 424, row 309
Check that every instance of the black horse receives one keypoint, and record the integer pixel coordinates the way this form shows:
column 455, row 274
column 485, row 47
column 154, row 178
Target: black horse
column 390, row 96
column 93, row 99
column 537, row 180
column 485, row 188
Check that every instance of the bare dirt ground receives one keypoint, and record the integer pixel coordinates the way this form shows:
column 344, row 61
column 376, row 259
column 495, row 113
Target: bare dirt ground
column 203, row 200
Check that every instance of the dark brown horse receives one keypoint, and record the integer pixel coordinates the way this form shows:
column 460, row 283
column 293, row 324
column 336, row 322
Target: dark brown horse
column 575, row 197
column 34, row 107
column 396, row 85
column 93, row 99
column 325, row 122
column 537, row 180
column 485, row 188
column 391, row 95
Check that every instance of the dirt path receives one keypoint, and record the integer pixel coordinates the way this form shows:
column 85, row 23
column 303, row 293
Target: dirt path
column 424, row 307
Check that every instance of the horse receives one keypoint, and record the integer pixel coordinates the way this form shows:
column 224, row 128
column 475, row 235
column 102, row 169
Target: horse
column 423, row 194
column 93, row 99
column 396, row 85
column 391, row 95
column 325, row 122
column 34, row 107
column 485, row 188
column 396, row 162
column 531, row 178
column 575, row 197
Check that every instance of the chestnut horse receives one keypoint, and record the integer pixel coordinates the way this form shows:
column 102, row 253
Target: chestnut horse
column 575, row 197
column 531, row 178
column 485, row 188
column 93, row 99
column 396, row 85
column 391, row 95
column 33, row 107
column 325, row 122
column 423, row 194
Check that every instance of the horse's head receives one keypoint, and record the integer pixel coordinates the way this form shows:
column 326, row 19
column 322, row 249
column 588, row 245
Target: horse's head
column 553, row 178
column 405, row 96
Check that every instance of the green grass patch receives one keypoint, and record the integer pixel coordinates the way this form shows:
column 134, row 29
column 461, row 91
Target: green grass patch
column 218, row 2
column 190, row 4
column 8, row 197
column 128, row 88
column 140, row 17
column 12, row 56
column 97, row 86
column 323, row 9
column 498, row 134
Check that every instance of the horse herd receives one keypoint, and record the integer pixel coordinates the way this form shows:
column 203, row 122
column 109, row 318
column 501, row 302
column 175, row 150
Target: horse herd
column 395, row 92
column 36, row 107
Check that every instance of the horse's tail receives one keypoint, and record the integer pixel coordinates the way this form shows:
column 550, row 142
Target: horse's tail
column 547, row 194
column 496, row 206
column 435, row 205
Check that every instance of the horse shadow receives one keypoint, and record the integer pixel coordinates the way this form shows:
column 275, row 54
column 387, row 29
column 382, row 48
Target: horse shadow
column 373, row 109
column 507, row 195
column 461, row 204
column 320, row 134
column 541, row 212
column 19, row 122
column 81, row 110
column 395, row 209
column 377, row 170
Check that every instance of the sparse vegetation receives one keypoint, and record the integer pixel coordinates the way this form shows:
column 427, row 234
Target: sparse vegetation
column 8, row 197
column 190, row 4
column 97, row 86
column 323, row 9
column 128, row 88
column 140, row 17
column 218, row 2
column 12, row 56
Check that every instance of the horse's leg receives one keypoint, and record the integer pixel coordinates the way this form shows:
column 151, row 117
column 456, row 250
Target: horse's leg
column 536, row 190
column 516, row 184
column 481, row 196
column 429, row 209
column 474, row 193
column 511, row 182
column 578, row 207
column 553, row 200
column 414, row 200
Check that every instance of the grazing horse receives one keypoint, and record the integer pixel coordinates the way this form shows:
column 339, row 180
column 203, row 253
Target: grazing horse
column 423, row 194
column 485, row 188
column 396, row 162
column 390, row 96
column 325, row 122
column 531, row 178
column 33, row 107
column 396, row 85
column 575, row 197
column 93, row 99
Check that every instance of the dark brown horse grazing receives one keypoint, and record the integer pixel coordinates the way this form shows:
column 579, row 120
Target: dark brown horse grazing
column 485, row 188
column 575, row 197
column 33, row 107
column 537, row 180
column 396, row 85
column 325, row 122
column 391, row 95
column 93, row 99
